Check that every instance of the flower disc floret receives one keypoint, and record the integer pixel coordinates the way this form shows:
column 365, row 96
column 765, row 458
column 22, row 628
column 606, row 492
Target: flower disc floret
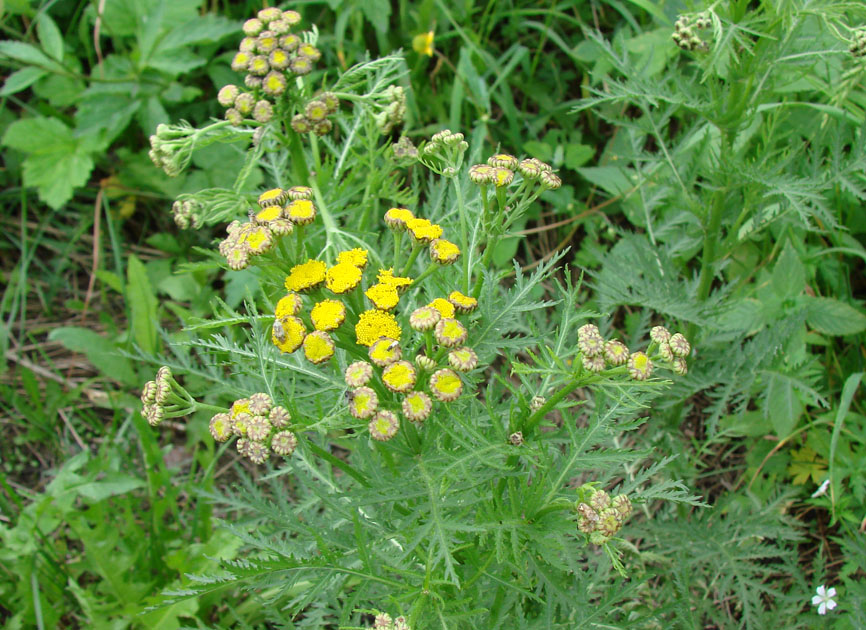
column 445, row 385
column 424, row 318
column 260, row 404
column 463, row 359
column 253, row 27
column 274, row 82
column 288, row 333
column 399, row 376
column 238, row 257
column 356, row 257
column 481, row 174
column 343, row 277
column 279, row 417
column 593, row 363
column 288, row 305
column 639, row 366
column 417, row 406
column 328, row 315
column 503, row 160
column 268, row 214
column 363, row 402
column 301, row 65
column 259, row 65
column 300, row 192
column 588, row 330
column 318, row 346
column 591, row 345
column 269, row 14
column 358, row 374
column 615, row 352
column 284, row 443
column 445, row 308
column 449, row 332
column 241, row 61
column 272, row 197
column 221, row 427
column 383, row 296
column 424, row 362
column 385, row 351
column 266, row 42
column 550, row 180
column 386, row 276
column 397, row 218
column 680, row 345
column 502, row 176
column 316, row 111
column 240, row 423
column 529, row 169
column 374, row 324
column 292, row 17
column 463, row 303
column 258, row 428
column 679, row 366
column 660, row 334
column 306, row 276
column 289, row 42
column 241, row 405
column 227, row 95
column 423, row 231
column 301, row 211
column 245, row 102
column 444, row 252
column 384, row 426
column 257, row 452
column 309, row 51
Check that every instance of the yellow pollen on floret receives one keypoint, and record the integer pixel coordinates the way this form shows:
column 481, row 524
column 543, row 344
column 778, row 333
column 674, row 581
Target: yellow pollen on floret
column 462, row 301
column 399, row 377
column 288, row 305
column 275, row 82
column 383, row 296
column 279, row 57
column 328, row 314
column 384, row 351
column 447, row 383
column 343, row 277
column 301, row 209
column 288, row 334
column 398, row 216
column 271, row 196
column 374, row 324
column 306, row 275
column 258, row 65
column 362, row 402
column 257, row 240
column 318, row 347
column 423, row 230
column 416, row 403
column 640, row 361
column 445, row 308
column 445, row 251
column 386, row 276
column 269, row 214
column 240, row 406
column 221, row 428
column 356, row 257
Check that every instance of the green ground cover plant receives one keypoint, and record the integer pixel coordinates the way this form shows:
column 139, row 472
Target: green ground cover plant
column 413, row 316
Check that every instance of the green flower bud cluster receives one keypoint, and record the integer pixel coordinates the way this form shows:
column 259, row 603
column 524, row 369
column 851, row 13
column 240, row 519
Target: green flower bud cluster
column 600, row 517
column 270, row 55
column 502, row 167
column 383, row 621
column 260, row 426
column 404, row 151
column 858, row 43
column 315, row 117
column 444, row 151
column 171, row 147
column 394, row 109
column 598, row 354
column 684, row 34
column 187, row 213
column 164, row 398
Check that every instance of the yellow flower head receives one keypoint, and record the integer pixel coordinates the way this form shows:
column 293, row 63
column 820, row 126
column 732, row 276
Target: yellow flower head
column 463, row 359
column 383, row 296
column 423, row 43
column 307, row 275
column 274, row 83
column 423, row 231
column 424, row 318
column 328, row 314
column 503, row 160
column 502, row 176
column 356, row 257
column 363, row 402
column 444, row 252
column 343, row 277
column 449, row 332
column 318, row 346
column 300, row 192
column 463, row 303
column 257, row 238
column 386, row 276
column 396, row 218
column 268, row 214
column 241, row 405
column 445, row 308
column 272, row 197
column 358, row 374
column 301, row 211
column 288, row 305
column 374, row 324
column 417, row 406
column 221, row 427
column 445, row 385
column 639, row 366
column 288, row 333
column 384, row 426
column 385, row 351
column 399, row 376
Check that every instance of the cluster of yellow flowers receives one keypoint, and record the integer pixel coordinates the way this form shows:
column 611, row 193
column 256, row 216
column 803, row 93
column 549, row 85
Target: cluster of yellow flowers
column 600, row 516
column 256, row 236
column 597, row 354
column 259, row 425
column 422, row 232
column 501, row 168
column 269, row 54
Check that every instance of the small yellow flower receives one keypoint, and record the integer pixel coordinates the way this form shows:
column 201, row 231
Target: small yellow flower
column 423, row 231
column 396, row 218
column 363, row 402
column 274, row 83
column 300, row 192
column 386, row 276
column 316, row 111
column 424, row 318
column 358, row 374
column 241, row 61
column 356, row 257
column 310, row 52
column 639, row 366
column 328, row 315
column 301, row 65
column 374, row 324
column 289, row 42
column 301, row 211
column 291, row 17
column 384, row 426
column 268, row 214
column 383, row 296
column 445, row 308
column 503, row 160
column 502, row 176
column 423, row 43
column 615, row 352
column 463, row 303
column 444, row 252
column 449, row 332
column 284, row 443
column 445, row 385
column 257, row 238
column 385, row 351
column 258, row 65
column 288, row 305
column 288, row 333
column 417, row 406
column 463, row 359
column 241, row 405
column 307, row 275
column 343, row 277
column 221, row 427
column 241, row 423
column 399, row 376
column 318, row 346
column 481, row 174
column 266, row 42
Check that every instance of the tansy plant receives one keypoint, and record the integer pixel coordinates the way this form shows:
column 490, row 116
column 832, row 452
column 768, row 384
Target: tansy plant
column 419, row 433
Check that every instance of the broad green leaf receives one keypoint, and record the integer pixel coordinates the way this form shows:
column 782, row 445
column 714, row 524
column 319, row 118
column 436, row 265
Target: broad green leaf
column 22, row 79
column 116, row 483
column 143, row 305
column 782, row 405
column 56, row 163
column 101, row 352
column 615, row 180
column 49, row 36
column 789, row 276
column 175, row 62
column 832, row 317
column 207, row 29
column 576, row 155
column 28, row 54
column 377, row 13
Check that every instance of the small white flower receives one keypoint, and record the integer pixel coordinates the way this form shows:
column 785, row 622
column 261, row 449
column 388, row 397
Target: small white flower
column 822, row 489
column 824, row 599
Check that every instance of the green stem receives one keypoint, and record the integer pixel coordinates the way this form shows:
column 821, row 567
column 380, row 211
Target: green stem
column 415, row 251
column 431, row 268
column 464, row 231
column 398, row 241
column 339, row 463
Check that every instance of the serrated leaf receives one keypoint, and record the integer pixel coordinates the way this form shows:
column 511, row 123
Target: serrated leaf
column 49, row 36
column 207, row 29
column 28, row 54
column 833, row 317
column 782, row 405
column 789, row 275
column 142, row 304
column 377, row 13
column 22, row 79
